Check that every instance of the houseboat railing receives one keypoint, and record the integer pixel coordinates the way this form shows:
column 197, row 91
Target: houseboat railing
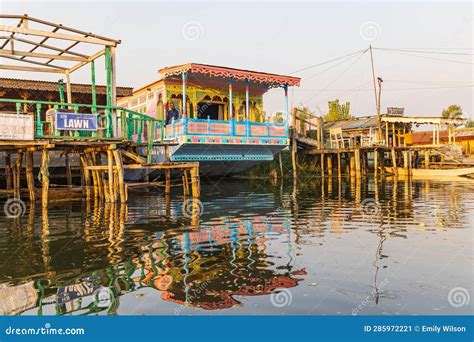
column 224, row 128
column 113, row 123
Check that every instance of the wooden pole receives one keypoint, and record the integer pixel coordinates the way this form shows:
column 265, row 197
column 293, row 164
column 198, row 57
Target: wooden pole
column 86, row 173
column 352, row 165
column 329, row 157
column 120, row 176
column 357, row 162
column 427, row 159
column 294, row 147
column 339, row 171
column 8, row 171
column 376, row 162
column 322, row 165
column 30, row 180
column 195, row 183
column 394, row 162
column 68, row 171
column 168, row 181
column 377, row 104
column 110, row 163
column 45, row 177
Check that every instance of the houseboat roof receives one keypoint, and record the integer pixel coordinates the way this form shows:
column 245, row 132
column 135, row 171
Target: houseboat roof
column 270, row 80
column 353, row 124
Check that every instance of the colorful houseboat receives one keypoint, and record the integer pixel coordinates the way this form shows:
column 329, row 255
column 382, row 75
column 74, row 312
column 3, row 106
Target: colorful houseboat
column 220, row 120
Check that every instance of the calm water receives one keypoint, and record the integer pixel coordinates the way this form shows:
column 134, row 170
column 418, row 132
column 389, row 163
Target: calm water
column 321, row 248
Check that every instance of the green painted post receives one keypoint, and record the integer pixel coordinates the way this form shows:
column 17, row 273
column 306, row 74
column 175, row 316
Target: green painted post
column 18, row 107
column 108, row 71
column 56, row 132
column 39, row 126
column 151, row 130
column 94, row 97
column 76, row 132
column 61, row 91
column 140, row 130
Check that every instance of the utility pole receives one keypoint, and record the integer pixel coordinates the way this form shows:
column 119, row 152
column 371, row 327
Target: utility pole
column 377, row 99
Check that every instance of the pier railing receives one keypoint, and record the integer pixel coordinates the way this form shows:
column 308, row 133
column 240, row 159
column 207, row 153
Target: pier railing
column 224, row 128
column 113, row 123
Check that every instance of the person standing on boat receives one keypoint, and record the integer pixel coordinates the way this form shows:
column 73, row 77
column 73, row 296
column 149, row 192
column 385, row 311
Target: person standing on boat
column 171, row 114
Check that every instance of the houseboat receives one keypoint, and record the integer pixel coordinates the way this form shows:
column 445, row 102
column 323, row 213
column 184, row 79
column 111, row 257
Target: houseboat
column 213, row 115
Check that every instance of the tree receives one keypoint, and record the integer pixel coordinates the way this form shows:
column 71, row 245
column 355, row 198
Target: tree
column 470, row 124
column 337, row 111
column 452, row 112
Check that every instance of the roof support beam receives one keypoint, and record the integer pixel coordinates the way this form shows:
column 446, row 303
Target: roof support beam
column 48, row 34
column 23, row 68
column 26, row 41
column 90, row 59
column 33, row 62
column 5, row 52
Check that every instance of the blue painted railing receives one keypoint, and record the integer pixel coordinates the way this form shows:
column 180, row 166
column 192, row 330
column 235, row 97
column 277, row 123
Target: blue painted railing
column 224, row 128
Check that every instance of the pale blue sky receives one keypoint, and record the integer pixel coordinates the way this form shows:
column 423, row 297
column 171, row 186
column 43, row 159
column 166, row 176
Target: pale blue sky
column 283, row 37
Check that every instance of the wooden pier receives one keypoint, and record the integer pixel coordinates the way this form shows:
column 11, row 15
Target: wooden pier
column 102, row 169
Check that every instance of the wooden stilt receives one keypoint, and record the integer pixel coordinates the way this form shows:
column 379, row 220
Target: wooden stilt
column 195, row 183
column 339, row 171
column 110, row 176
column 18, row 175
column 322, row 165
column 357, row 162
column 168, row 181
column 376, row 162
column 45, row 177
column 352, row 165
column 87, row 176
column 68, row 171
column 8, row 171
column 120, row 176
column 427, row 159
column 394, row 162
column 30, row 180
column 329, row 158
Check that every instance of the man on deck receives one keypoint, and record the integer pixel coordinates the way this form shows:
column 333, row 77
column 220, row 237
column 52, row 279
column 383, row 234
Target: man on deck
column 171, row 114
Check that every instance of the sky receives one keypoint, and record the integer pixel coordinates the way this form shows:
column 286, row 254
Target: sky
column 433, row 69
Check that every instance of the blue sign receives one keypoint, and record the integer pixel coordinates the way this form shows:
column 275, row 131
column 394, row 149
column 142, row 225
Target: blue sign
column 76, row 122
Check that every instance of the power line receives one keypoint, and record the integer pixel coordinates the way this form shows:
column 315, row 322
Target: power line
column 431, row 52
column 338, row 76
column 331, row 67
column 326, row 62
column 431, row 58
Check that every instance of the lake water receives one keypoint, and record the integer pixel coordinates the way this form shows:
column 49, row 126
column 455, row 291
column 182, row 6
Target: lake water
column 248, row 248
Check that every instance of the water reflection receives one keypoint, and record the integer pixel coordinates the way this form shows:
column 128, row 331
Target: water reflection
column 331, row 243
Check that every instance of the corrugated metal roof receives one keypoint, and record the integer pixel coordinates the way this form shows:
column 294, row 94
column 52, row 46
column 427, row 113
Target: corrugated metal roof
column 14, row 83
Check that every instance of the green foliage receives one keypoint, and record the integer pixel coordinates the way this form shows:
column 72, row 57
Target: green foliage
column 452, row 112
column 470, row 124
column 338, row 111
